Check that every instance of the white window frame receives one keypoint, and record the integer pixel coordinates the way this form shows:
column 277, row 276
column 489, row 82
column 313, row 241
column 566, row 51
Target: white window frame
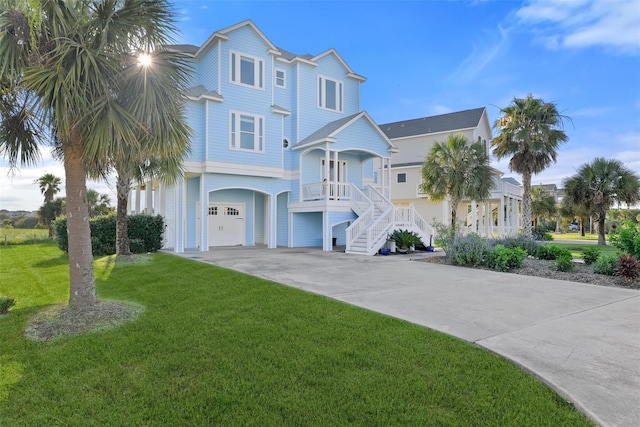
column 284, row 78
column 235, row 75
column 259, row 134
column 404, row 174
column 322, row 95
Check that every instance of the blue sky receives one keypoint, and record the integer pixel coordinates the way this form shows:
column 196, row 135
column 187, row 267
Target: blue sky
column 424, row 58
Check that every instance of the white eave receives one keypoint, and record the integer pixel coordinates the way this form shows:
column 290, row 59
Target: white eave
column 279, row 110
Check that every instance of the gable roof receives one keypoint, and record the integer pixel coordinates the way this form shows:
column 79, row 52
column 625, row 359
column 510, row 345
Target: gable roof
column 511, row 180
column 282, row 54
column 434, row 124
column 328, row 132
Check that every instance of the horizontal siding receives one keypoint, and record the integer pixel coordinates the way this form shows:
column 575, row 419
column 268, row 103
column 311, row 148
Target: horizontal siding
column 207, row 69
column 307, row 229
column 361, row 135
column 259, row 218
column 196, row 119
column 193, row 195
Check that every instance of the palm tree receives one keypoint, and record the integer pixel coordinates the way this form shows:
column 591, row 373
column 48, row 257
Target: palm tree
column 98, row 204
column 543, row 204
column 77, row 62
column 49, row 186
column 458, row 169
column 529, row 133
column 598, row 185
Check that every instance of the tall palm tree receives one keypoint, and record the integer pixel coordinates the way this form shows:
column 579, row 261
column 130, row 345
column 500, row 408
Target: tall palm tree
column 459, row 170
column 601, row 184
column 529, row 133
column 98, row 204
column 49, row 186
column 76, row 60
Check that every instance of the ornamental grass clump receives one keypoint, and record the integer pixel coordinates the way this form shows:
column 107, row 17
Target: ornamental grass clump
column 529, row 245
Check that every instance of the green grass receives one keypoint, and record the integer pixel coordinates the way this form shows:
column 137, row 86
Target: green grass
column 216, row 347
column 22, row 236
column 575, row 236
column 576, row 249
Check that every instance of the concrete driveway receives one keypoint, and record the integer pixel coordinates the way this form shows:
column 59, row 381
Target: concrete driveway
column 583, row 340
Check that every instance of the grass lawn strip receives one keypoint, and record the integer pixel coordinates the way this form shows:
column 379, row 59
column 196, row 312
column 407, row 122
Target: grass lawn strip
column 214, row 346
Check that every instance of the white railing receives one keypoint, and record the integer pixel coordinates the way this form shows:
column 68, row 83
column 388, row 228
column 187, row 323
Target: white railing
column 378, row 231
column 359, row 202
column 330, row 190
column 406, row 217
column 359, row 227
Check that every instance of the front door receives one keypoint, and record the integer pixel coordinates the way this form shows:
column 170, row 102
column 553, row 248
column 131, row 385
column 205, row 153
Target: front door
column 226, row 224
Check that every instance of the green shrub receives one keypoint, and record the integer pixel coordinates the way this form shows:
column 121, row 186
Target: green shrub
column 145, row 230
column 550, row 252
column 529, row 245
column 564, row 262
column 541, row 232
column 5, row 304
column 468, row 250
column 606, row 264
column 627, row 238
column 136, row 246
column 590, row 255
column 628, row 267
column 505, row 259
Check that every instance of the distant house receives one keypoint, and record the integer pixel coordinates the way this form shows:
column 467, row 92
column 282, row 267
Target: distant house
column 281, row 153
column 552, row 190
column 500, row 215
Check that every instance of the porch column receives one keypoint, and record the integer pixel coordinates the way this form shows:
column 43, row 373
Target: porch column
column 474, row 217
column 129, row 201
column 148, row 198
column 326, row 233
column 388, row 189
column 488, row 218
column 272, row 241
column 137, row 199
column 501, row 232
column 204, row 217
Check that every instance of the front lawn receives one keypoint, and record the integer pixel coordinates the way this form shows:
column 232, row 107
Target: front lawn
column 217, row 347
column 577, row 249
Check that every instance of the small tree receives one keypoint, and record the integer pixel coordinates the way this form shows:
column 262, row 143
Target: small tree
column 459, row 170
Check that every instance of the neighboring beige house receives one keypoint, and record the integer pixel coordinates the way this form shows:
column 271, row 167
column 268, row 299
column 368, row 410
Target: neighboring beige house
column 414, row 139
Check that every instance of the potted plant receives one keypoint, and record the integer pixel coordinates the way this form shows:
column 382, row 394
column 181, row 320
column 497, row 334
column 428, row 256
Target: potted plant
column 404, row 240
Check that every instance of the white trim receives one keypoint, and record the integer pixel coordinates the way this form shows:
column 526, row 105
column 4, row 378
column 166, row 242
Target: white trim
column 321, row 94
column 211, row 166
column 284, row 78
column 259, row 137
column 259, row 71
column 219, row 68
column 206, row 129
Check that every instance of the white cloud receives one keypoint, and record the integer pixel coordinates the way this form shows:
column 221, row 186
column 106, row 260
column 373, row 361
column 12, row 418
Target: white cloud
column 481, row 56
column 612, row 25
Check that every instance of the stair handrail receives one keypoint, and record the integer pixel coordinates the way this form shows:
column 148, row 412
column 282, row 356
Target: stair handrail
column 377, row 232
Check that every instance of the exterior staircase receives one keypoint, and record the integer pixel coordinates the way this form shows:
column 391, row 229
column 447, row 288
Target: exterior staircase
column 377, row 218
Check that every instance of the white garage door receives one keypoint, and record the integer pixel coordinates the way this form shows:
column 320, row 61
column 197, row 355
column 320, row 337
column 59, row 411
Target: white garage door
column 226, row 224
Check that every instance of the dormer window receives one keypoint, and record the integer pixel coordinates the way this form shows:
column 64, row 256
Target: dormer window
column 330, row 94
column 246, row 70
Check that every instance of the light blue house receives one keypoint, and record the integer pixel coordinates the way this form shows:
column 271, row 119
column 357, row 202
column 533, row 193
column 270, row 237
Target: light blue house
column 282, row 154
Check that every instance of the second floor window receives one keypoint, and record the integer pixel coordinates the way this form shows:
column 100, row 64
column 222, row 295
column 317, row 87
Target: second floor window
column 280, row 77
column 246, row 132
column 247, row 70
column 401, row 177
column 330, row 94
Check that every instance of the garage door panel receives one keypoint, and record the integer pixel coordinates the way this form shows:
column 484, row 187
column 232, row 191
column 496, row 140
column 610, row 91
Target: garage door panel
column 226, row 224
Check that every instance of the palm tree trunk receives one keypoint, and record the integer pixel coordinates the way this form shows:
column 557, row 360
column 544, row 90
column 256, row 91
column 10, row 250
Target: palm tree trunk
column 526, row 205
column 123, row 186
column 601, row 239
column 82, row 288
column 454, row 212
